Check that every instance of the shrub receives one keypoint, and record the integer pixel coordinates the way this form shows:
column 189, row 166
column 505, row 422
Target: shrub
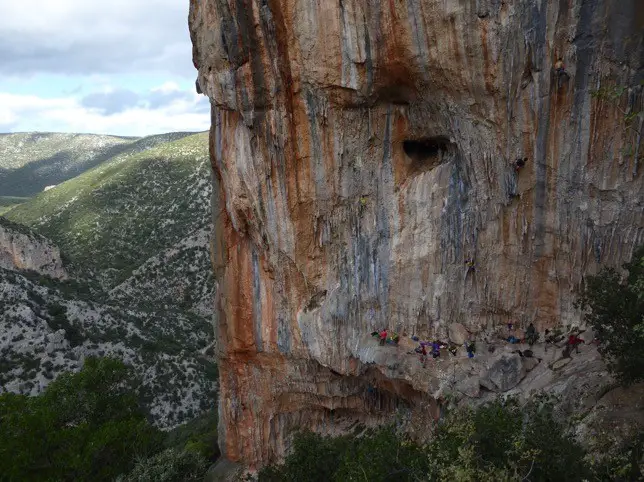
column 171, row 465
column 199, row 435
column 500, row 441
column 614, row 307
column 85, row 426
column 313, row 458
column 624, row 464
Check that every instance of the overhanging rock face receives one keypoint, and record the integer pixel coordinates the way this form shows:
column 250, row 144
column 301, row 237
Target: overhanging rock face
column 365, row 153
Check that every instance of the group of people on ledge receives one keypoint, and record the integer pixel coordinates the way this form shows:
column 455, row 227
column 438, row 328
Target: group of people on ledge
column 386, row 337
column 531, row 336
column 434, row 346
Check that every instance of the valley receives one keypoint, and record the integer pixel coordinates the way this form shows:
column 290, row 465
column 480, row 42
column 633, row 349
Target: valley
column 132, row 233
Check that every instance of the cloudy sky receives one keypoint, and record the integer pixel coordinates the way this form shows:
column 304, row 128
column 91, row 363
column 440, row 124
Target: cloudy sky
column 108, row 67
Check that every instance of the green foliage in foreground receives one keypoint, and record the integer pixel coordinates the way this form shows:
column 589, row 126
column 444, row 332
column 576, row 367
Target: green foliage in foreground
column 501, row 441
column 190, row 449
column 198, row 435
column 88, row 426
column 171, row 465
column 615, row 309
column 85, row 426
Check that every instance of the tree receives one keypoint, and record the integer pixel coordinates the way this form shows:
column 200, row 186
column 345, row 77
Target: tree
column 499, row 441
column 313, row 458
column 85, row 426
column 614, row 307
column 171, row 465
column 505, row 440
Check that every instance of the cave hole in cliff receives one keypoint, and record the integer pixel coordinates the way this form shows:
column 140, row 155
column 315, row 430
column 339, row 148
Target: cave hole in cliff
column 396, row 95
column 424, row 149
column 427, row 153
column 316, row 301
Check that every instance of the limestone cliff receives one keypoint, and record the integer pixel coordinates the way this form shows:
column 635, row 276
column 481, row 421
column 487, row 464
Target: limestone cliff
column 21, row 249
column 365, row 151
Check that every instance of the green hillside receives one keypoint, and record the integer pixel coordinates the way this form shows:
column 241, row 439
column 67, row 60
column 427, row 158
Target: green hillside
column 8, row 202
column 111, row 219
column 29, row 162
column 134, row 231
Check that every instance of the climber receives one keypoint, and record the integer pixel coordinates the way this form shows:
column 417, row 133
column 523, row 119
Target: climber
column 559, row 67
column 520, row 163
column 395, row 338
column 436, row 349
column 513, row 339
column 423, row 354
column 574, row 341
column 551, row 339
column 560, row 72
column 469, row 262
column 383, row 336
column 470, row 347
column 531, row 335
column 453, row 349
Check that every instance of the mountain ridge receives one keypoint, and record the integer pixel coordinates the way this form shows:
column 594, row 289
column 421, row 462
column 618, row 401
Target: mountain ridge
column 32, row 161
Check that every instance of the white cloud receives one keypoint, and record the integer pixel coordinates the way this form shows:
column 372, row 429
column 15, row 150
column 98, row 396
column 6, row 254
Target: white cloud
column 166, row 87
column 103, row 55
column 67, row 114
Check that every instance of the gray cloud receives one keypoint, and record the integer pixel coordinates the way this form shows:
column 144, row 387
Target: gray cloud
column 111, row 102
column 159, row 99
column 95, row 37
column 121, row 100
column 203, row 107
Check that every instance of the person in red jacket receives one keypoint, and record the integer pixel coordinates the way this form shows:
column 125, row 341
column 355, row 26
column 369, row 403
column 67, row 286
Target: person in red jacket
column 383, row 337
column 574, row 341
column 423, row 355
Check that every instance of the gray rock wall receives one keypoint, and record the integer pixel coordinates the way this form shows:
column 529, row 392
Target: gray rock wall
column 23, row 250
column 365, row 152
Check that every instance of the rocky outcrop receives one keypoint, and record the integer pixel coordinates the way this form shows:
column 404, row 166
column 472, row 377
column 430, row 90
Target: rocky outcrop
column 21, row 249
column 458, row 333
column 364, row 152
column 506, row 372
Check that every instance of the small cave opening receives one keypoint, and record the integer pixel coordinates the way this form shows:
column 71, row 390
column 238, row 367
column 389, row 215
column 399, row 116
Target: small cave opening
column 428, row 153
column 315, row 301
column 396, row 95
column 424, row 150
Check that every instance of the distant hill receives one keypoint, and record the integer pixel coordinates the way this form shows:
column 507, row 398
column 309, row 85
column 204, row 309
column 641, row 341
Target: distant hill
column 111, row 219
column 29, row 162
column 134, row 236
